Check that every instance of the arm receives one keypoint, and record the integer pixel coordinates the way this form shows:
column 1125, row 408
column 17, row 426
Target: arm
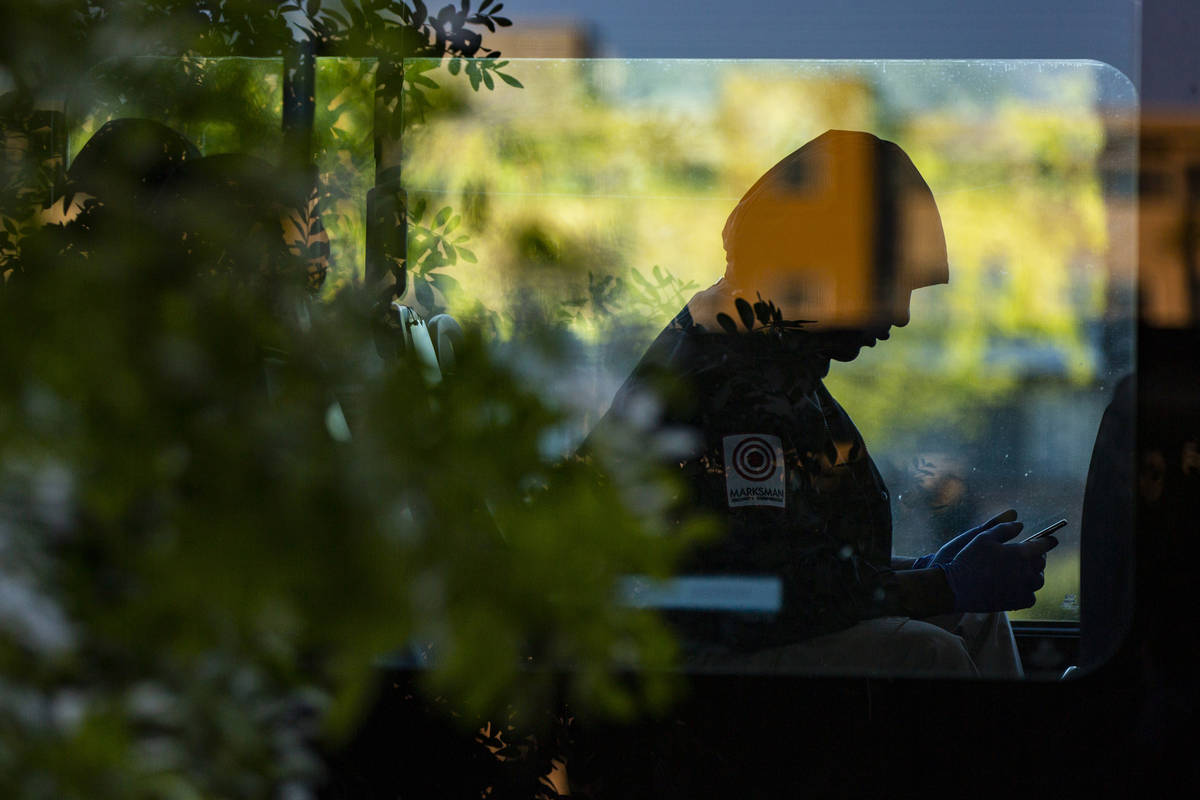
column 988, row 573
column 925, row 591
column 916, row 593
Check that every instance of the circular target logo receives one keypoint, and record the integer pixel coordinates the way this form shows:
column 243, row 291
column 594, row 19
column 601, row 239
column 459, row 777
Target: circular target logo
column 754, row 459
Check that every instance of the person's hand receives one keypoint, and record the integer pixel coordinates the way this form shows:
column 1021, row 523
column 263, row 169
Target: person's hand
column 990, row 573
column 950, row 549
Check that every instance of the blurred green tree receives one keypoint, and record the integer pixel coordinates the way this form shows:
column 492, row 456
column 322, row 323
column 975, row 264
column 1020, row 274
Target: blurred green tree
column 217, row 514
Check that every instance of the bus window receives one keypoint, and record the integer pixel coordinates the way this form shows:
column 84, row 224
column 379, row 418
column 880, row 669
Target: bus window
column 596, row 192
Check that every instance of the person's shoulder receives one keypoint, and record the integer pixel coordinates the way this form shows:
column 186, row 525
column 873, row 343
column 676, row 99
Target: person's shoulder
column 680, row 347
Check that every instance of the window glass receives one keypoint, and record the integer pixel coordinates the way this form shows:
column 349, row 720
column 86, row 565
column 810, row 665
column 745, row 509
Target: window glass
column 344, row 153
column 591, row 195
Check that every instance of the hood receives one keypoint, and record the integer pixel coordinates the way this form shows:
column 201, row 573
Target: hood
column 838, row 233
column 128, row 159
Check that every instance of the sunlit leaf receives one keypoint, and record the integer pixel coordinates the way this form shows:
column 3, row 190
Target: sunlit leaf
column 445, row 283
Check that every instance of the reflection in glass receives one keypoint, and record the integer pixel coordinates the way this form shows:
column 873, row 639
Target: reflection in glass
column 591, row 200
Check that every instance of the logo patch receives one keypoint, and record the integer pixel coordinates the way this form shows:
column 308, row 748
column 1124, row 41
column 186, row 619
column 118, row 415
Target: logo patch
column 754, row 471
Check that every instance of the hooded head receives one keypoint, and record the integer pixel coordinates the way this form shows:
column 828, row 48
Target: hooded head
column 121, row 168
column 129, row 159
column 837, row 234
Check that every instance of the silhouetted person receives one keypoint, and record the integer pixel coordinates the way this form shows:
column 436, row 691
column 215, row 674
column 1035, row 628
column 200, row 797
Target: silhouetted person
column 823, row 253
column 139, row 181
column 1106, row 543
column 129, row 160
column 221, row 232
column 1156, row 483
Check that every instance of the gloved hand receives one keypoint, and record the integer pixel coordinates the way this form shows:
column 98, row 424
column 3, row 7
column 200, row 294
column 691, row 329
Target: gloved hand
column 990, row 574
column 950, row 549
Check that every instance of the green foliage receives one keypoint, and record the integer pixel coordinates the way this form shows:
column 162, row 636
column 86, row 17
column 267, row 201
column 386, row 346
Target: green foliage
column 218, row 508
column 434, row 245
column 344, row 154
column 642, row 301
column 224, row 105
column 26, row 176
column 393, row 31
column 229, row 550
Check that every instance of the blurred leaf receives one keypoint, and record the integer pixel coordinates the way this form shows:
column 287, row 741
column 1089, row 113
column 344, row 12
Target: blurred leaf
column 510, row 80
column 445, row 283
column 421, row 80
column 424, row 295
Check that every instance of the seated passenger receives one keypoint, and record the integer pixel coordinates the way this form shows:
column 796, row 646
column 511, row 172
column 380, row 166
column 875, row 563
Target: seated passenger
column 822, row 255
column 138, row 174
column 126, row 162
column 112, row 187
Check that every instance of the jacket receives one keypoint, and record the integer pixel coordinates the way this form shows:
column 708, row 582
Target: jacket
column 780, row 465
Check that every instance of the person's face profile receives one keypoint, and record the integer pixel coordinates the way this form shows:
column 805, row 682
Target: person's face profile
column 845, row 343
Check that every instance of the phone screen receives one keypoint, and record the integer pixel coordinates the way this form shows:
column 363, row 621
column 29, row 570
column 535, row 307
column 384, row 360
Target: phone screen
column 1049, row 529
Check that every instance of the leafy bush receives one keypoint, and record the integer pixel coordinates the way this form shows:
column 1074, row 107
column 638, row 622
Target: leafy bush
column 219, row 508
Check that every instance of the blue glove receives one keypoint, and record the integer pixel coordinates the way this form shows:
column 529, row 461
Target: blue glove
column 951, row 548
column 990, row 575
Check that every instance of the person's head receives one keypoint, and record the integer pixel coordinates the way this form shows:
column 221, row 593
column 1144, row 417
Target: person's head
column 128, row 160
column 119, row 172
column 837, row 235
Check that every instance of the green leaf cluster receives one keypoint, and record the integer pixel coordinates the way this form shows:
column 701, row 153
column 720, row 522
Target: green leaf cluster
column 220, row 509
column 198, row 527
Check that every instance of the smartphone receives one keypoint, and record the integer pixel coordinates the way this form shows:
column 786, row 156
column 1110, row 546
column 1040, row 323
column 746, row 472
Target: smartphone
column 1046, row 531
